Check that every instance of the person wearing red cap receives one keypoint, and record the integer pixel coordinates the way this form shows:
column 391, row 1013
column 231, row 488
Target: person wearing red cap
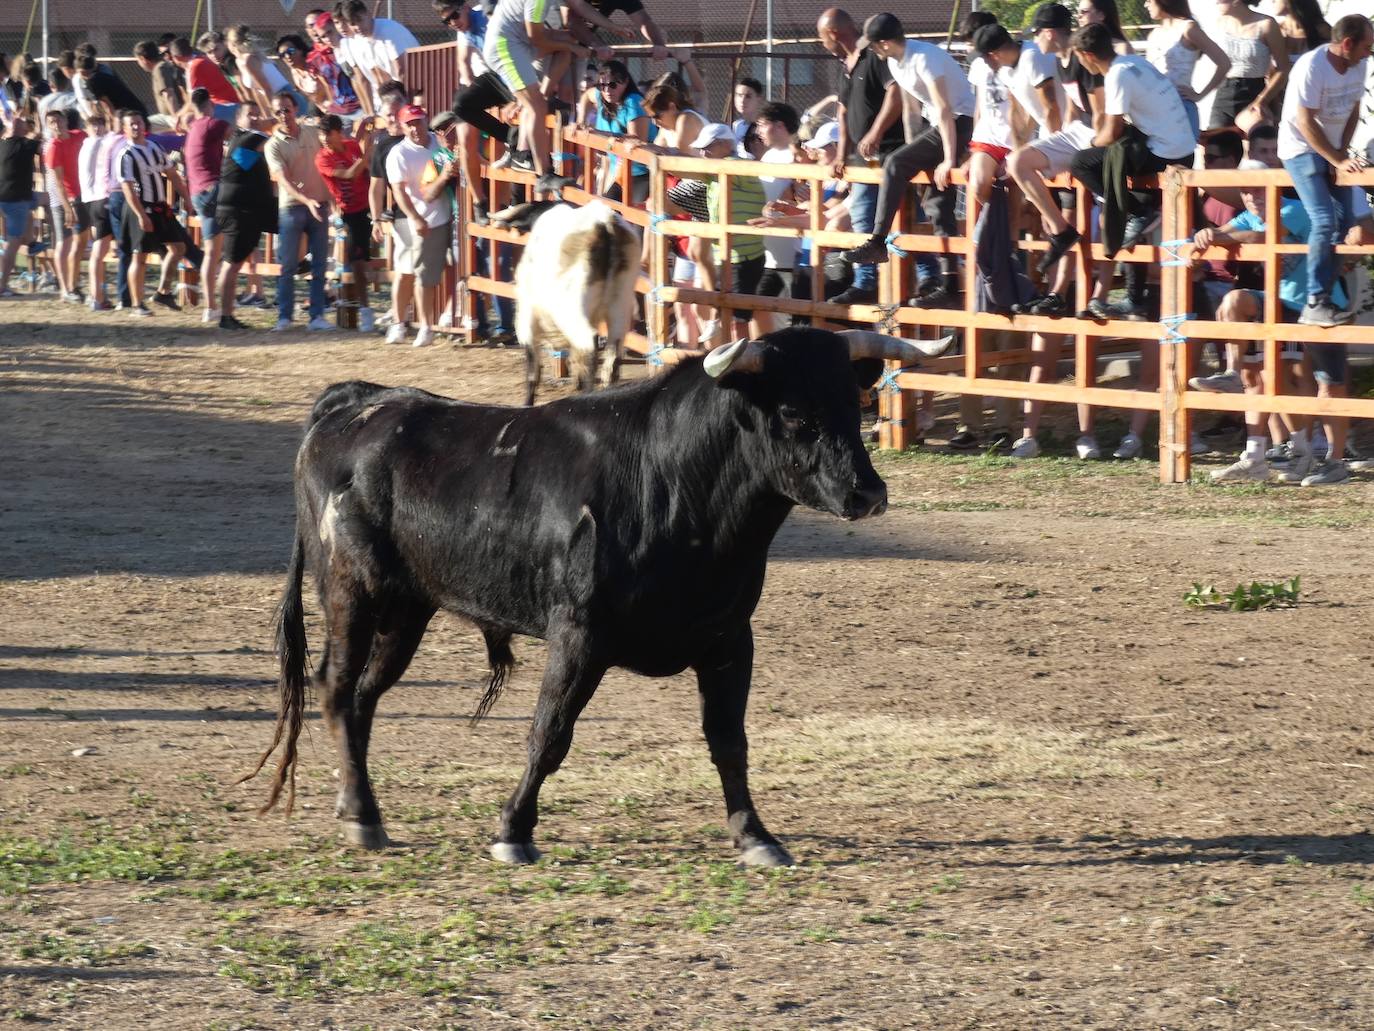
column 423, row 237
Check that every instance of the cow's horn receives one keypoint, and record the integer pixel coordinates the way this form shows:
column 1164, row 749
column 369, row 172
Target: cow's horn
column 741, row 356
column 864, row 343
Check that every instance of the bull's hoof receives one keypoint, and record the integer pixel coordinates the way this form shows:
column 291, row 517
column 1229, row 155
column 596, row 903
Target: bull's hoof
column 522, row 853
column 366, row 835
column 766, row 855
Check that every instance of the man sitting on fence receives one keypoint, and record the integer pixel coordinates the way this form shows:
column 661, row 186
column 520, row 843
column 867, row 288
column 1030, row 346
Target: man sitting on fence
column 1320, row 112
column 935, row 79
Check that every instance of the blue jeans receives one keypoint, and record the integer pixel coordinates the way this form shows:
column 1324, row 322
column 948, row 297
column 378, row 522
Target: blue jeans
column 1190, row 109
column 115, row 208
column 293, row 222
column 505, row 307
column 863, row 206
column 1330, row 210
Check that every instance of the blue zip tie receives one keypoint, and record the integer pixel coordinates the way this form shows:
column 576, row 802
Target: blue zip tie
column 1170, row 323
column 654, row 297
column 892, row 246
column 564, row 157
column 657, row 220
column 889, row 380
column 1171, row 248
column 651, row 356
column 558, row 354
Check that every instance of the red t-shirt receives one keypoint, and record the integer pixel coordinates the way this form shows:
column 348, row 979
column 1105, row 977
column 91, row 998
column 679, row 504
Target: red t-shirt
column 204, row 72
column 349, row 194
column 61, row 157
column 204, row 152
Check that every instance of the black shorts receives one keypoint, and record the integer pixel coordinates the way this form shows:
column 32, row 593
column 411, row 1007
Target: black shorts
column 358, row 241
column 242, row 233
column 164, row 230
column 776, row 282
column 744, row 279
column 98, row 218
column 83, row 216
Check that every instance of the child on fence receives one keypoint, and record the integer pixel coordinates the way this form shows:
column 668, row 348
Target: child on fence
column 745, row 200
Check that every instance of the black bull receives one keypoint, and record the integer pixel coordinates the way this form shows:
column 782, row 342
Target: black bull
column 627, row 528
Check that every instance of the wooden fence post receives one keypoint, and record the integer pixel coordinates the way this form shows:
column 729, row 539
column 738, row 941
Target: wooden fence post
column 1174, row 290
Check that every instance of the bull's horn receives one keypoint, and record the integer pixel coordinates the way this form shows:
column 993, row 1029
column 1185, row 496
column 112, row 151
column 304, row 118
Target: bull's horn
column 740, row 356
column 864, row 343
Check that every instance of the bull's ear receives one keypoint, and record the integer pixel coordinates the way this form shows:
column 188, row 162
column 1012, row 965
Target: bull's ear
column 740, row 356
column 867, row 371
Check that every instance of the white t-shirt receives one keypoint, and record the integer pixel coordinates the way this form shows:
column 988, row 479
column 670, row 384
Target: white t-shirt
column 94, row 186
column 925, row 62
column 778, row 251
column 1138, row 90
column 1316, row 85
column 405, row 166
column 383, row 49
column 992, row 89
column 1034, row 69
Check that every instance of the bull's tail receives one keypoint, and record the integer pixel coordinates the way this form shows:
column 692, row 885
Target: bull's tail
column 501, row 660
column 291, row 651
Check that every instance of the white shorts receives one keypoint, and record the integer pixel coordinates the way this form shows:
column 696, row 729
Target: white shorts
column 1062, row 147
column 684, row 271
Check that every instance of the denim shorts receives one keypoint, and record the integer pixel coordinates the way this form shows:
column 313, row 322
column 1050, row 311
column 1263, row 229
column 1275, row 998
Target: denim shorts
column 204, row 203
column 16, row 216
column 227, row 112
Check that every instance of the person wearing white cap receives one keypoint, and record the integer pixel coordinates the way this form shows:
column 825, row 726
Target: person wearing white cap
column 746, row 252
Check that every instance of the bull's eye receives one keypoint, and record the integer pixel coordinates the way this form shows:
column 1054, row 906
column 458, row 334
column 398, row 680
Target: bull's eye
column 796, row 423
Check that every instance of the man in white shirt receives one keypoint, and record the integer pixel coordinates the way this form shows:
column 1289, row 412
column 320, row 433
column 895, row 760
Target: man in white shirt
column 424, row 236
column 935, row 79
column 95, row 192
column 376, row 45
column 1321, row 110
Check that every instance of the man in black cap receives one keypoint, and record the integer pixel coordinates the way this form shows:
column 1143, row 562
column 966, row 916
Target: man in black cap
column 937, row 81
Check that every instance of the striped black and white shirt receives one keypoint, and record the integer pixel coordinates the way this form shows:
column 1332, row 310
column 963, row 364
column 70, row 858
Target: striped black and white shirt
column 144, row 165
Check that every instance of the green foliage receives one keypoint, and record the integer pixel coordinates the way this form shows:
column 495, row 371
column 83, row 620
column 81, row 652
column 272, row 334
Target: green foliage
column 1259, row 595
column 1017, row 14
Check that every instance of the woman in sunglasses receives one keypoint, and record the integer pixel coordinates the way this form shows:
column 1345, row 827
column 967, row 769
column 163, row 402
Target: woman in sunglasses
column 620, row 112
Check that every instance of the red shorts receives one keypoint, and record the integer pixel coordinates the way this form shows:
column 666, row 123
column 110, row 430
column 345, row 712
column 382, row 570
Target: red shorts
column 998, row 154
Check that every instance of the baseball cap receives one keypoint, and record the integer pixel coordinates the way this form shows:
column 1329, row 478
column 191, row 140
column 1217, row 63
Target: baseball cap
column 1051, row 16
column 991, row 38
column 713, row 132
column 824, row 136
column 443, row 120
column 411, row 113
column 883, row 26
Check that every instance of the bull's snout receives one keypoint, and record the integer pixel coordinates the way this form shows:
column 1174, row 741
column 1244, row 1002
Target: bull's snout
column 866, row 501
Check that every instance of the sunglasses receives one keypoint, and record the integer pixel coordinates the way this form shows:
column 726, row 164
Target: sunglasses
column 287, row 51
column 610, row 83
column 453, row 16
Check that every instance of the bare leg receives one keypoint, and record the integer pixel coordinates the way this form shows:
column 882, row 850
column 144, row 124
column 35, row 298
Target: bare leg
column 1026, row 166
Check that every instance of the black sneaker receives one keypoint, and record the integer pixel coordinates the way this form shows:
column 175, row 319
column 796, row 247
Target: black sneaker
column 229, row 322
column 940, row 297
column 523, row 160
column 964, row 440
column 551, row 182
column 167, row 301
column 1060, row 245
column 480, row 215
column 1139, row 226
column 1050, row 304
column 872, row 251
column 1097, row 309
column 999, row 440
column 303, row 267
column 855, row 295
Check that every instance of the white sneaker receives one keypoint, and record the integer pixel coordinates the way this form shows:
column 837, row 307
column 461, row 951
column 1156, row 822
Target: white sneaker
column 1130, row 447
column 1026, row 447
column 1087, row 448
column 1297, row 469
column 367, row 320
column 396, row 334
column 1246, row 470
column 319, row 324
column 1220, row 383
column 424, row 337
column 210, row 317
column 282, row 326
column 446, row 320
column 1198, row 446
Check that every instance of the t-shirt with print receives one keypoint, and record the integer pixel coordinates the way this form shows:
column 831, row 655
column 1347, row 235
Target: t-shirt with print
column 350, row 195
column 1293, row 267
column 17, row 156
column 204, row 73
column 862, row 91
column 1315, row 84
column 1138, row 91
column 778, row 251
column 322, row 62
column 746, row 202
column 406, row 166
column 992, row 90
column 630, row 109
column 1034, row 69
column 63, row 158
column 924, row 63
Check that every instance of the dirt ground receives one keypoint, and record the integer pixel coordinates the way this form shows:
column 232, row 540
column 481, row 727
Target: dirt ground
column 1025, row 785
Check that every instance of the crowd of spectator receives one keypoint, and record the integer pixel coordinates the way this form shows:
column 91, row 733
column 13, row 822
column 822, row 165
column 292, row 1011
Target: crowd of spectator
column 255, row 137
